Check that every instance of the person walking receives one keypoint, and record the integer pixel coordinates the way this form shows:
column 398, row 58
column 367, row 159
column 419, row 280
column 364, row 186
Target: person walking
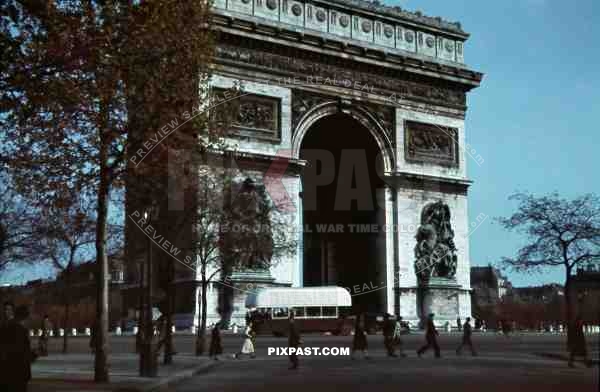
column 431, row 338
column 215, row 348
column 43, row 341
column 466, row 340
column 397, row 337
column 576, row 343
column 8, row 315
column 359, row 343
column 388, row 335
column 458, row 324
column 248, row 345
column 18, row 356
column 294, row 342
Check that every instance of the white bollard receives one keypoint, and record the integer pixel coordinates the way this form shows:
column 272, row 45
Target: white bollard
column 193, row 329
column 172, row 328
column 61, row 332
column 73, row 332
column 551, row 329
column 51, row 333
column 448, row 327
column 31, row 333
column 560, row 328
column 118, row 331
column 88, row 332
column 39, row 332
column 235, row 329
column 135, row 330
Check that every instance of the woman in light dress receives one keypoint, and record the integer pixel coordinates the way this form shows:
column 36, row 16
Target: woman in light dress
column 248, row 345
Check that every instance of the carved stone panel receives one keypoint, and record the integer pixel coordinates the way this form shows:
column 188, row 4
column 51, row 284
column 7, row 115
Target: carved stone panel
column 258, row 117
column 302, row 102
column 386, row 116
column 430, row 143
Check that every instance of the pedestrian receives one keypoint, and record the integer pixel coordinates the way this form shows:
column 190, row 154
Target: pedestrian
column 215, row 342
column 483, row 326
column 466, row 340
column 93, row 336
column 8, row 315
column 43, row 341
column 430, row 337
column 388, row 335
column 576, row 343
column 458, row 324
column 248, row 345
column 18, row 356
column 359, row 342
column 294, row 342
column 397, row 337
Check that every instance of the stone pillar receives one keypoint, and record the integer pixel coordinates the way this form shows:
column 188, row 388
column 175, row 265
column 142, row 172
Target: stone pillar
column 390, row 243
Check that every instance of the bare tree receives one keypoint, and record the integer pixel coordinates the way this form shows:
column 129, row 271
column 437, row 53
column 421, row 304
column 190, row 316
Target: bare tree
column 562, row 233
column 237, row 227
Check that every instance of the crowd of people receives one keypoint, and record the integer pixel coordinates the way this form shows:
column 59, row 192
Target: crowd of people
column 16, row 355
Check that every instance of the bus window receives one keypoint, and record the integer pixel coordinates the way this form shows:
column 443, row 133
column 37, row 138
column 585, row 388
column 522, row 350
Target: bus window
column 280, row 312
column 329, row 311
column 313, row 311
column 299, row 312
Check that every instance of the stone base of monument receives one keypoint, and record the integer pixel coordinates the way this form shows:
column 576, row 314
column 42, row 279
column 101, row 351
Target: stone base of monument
column 440, row 296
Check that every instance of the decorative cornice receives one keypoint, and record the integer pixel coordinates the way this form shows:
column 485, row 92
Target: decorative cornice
column 407, row 180
column 398, row 12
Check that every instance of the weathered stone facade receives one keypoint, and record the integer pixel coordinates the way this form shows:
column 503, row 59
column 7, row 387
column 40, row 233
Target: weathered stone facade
column 401, row 75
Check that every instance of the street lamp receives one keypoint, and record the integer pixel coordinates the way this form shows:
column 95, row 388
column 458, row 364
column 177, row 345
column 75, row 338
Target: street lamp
column 148, row 360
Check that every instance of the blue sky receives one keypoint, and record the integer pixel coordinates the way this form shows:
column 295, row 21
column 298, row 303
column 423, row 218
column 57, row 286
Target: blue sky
column 533, row 119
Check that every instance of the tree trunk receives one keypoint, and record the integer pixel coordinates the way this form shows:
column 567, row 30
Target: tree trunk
column 201, row 335
column 102, row 272
column 168, row 355
column 67, row 305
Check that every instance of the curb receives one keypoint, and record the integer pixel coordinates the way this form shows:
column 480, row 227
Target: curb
column 175, row 378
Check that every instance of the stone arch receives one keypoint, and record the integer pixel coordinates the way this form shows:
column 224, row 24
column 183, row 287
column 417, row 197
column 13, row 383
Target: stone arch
column 360, row 114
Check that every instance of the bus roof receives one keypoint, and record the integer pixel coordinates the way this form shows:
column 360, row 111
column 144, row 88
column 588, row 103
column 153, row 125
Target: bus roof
column 286, row 297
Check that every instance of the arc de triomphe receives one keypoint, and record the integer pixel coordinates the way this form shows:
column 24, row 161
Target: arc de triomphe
column 345, row 74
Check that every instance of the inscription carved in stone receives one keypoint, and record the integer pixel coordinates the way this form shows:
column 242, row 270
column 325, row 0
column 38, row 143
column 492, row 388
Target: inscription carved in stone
column 429, row 143
column 409, row 36
column 344, row 77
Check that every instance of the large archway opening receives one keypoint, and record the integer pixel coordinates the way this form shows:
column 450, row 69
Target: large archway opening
column 343, row 211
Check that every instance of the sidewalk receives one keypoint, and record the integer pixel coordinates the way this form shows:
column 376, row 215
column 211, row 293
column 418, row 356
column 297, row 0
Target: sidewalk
column 74, row 372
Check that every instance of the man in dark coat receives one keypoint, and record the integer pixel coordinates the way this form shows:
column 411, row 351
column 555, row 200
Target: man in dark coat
column 16, row 371
column 576, row 342
column 294, row 342
column 388, row 335
column 431, row 338
column 466, row 340
column 8, row 315
column 215, row 342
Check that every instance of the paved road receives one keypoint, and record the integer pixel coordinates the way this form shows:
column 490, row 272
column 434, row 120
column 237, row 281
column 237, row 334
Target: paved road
column 503, row 365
